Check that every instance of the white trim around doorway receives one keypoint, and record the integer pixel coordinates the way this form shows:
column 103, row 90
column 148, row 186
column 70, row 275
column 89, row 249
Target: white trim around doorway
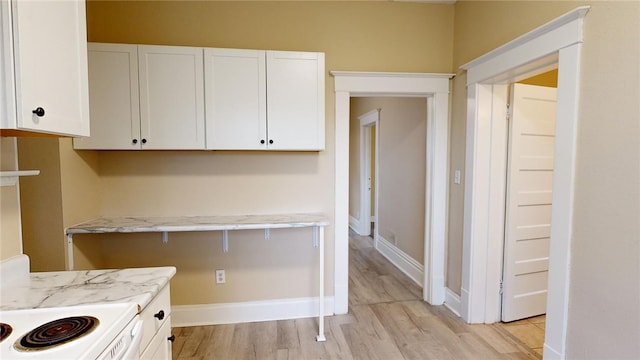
column 555, row 44
column 435, row 87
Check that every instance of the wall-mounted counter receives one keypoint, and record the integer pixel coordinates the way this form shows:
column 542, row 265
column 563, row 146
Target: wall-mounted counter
column 166, row 225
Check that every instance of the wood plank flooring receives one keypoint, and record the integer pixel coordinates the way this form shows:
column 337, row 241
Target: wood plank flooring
column 387, row 320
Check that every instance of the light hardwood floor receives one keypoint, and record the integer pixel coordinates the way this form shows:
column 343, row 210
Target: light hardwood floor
column 387, row 320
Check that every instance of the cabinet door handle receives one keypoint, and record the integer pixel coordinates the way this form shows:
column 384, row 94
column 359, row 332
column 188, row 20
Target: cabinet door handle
column 144, row 141
column 271, row 141
column 159, row 315
column 39, row 112
column 172, row 338
column 262, row 141
column 135, row 141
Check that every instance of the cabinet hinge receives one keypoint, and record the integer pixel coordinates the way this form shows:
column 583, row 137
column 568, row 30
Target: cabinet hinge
column 508, row 112
column 501, row 288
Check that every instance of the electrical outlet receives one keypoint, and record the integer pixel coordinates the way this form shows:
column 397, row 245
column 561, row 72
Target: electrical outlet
column 220, row 277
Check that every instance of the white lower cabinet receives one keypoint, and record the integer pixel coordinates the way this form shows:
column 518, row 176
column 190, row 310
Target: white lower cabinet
column 156, row 319
column 160, row 346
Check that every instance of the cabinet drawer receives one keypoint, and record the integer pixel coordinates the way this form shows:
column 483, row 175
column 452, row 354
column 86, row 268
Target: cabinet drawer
column 155, row 315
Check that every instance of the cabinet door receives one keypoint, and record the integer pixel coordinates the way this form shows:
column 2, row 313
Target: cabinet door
column 171, row 97
column 50, row 51
column 113, row 96
column 235, row 86
column 295, row 101
column 160, row 347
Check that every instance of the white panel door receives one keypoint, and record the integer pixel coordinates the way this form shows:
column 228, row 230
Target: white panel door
column 113, row 95
column 235, row 88
column 295, row 101
column 171, row 97
column 528, row 208
column 50, row 49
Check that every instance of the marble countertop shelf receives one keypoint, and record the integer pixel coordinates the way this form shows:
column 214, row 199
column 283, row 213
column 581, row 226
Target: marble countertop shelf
column 195, row 223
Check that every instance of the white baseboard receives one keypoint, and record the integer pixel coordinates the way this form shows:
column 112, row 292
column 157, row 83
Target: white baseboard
column 250, row 311
column 551, row 353
column 354, row 224
column 452, row 301
column 408, row 265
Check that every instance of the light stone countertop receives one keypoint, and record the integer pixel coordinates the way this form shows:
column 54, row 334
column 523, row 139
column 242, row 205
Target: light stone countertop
column 196, row 223
column 71, row 288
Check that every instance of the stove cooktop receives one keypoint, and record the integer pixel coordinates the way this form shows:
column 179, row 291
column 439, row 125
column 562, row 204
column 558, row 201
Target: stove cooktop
column 43, row 333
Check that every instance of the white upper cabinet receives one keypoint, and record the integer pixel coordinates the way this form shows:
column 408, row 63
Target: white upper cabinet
column 264, row 99
column 295, row 101
column 114, row 99
column 236, row 99
column 145, row 97
column 187, row 98
column 171, row 97
column 44, row 67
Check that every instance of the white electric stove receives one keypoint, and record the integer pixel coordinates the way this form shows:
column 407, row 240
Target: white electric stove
column 103, row 331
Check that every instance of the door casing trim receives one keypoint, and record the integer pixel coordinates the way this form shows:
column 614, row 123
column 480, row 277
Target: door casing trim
column 435, row 87
column 555, row 44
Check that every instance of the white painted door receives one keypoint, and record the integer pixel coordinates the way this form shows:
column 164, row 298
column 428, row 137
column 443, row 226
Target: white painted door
column 528, row 208
column 171, row 97
column 236, row 99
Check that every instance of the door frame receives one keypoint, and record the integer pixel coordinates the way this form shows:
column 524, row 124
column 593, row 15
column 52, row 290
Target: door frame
column 435, row 87
column 367, row 120
column 555, row 44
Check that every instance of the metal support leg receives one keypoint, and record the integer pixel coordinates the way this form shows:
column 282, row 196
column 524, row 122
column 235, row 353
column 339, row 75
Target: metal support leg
column 69, row 251
column 319, row 235
column 266, row 234
column 165, row 237
column 225, row 241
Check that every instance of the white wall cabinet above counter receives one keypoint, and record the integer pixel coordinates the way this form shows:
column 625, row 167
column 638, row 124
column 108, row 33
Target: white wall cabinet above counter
column 258, row 99
column 189, row 98
column 145, row 97
column 43, row 67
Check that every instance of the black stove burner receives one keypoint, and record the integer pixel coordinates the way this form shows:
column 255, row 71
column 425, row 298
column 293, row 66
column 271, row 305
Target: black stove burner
column 56, row 332
column 5, row 331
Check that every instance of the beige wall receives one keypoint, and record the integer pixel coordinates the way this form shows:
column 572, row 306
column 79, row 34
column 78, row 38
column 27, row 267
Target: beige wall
column 65, row 193
column 10, row 244
column 605, row 253
column 354, row 36
column 605, row 249
column 402, row 135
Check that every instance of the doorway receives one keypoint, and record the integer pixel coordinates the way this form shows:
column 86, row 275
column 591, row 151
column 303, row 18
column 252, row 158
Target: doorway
column 363, row 208
column 531, row 133
column 487, row 76
column 396, row 171
column 435, row 87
